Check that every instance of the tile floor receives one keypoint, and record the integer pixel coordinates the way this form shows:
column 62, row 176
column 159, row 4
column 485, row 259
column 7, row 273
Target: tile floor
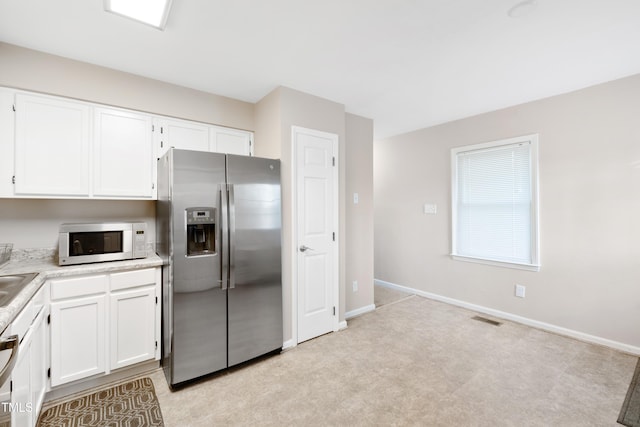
column 415, row 362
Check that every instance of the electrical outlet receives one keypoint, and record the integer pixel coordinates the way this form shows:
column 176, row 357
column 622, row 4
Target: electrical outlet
column 520, row 291
column 355, row 286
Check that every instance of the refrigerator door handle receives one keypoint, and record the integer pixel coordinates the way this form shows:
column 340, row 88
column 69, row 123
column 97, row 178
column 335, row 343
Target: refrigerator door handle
column 224, row 219
column 232, row 237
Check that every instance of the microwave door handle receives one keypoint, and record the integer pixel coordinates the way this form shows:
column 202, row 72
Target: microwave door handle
column 224, row 237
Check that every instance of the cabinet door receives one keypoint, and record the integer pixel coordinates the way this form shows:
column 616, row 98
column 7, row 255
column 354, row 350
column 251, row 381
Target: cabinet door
column 51, row 147
column 182, row 134
column 7, row 136
column 230, row 141
column 123, row 154
column 77, row 339
column 29, row 376
column 132, row 328
column 39, row 362
column 21, row 403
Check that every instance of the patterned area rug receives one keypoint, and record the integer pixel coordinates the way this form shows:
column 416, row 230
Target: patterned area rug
column 630, row 412
column 133, row 404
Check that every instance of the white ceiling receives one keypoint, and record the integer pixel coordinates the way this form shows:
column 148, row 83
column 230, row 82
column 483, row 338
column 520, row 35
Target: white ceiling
column 407, row 64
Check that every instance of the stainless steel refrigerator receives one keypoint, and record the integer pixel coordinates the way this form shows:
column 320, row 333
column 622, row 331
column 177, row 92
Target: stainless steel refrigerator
column 218, row 230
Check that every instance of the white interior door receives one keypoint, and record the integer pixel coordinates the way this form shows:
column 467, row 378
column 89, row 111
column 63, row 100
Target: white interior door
column 316, row 232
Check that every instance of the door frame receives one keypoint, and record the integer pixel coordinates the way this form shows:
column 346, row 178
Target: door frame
column 294, row 226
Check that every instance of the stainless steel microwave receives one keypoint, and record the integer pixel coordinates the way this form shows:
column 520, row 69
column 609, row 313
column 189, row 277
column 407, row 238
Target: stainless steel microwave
column 97, row 242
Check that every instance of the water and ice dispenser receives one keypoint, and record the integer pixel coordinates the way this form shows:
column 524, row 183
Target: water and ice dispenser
column 201, row 231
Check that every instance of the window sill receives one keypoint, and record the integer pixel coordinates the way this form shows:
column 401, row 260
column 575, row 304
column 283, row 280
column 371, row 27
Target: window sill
column 518, row 266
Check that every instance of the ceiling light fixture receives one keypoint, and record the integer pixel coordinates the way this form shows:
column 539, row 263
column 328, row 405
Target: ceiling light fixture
column 150, row 12
column 521, row 9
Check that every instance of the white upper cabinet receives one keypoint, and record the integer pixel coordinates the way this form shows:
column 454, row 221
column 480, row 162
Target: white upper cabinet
column 189, row 135
column 181, row 134
column 67, row 148
column 122, row 154
column 52, row 143
column 55, row 147
column 230, row 141
column 7, row 133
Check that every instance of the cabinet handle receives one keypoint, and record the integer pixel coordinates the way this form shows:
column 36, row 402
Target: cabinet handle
column 10, row 343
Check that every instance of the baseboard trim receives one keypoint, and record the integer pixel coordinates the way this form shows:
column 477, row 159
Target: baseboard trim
column 288, row 344
column 358, row 311
column 616, row 345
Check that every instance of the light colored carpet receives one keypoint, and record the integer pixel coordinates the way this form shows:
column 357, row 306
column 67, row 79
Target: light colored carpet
column 415, row 362
column 383, row 295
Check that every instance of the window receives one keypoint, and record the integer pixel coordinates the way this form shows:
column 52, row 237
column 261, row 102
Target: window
column 495, row 203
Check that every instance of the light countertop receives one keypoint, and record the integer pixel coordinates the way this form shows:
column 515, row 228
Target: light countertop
column 47, row 268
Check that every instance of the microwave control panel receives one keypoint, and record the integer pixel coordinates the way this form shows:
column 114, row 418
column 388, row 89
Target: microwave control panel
column 139, row 239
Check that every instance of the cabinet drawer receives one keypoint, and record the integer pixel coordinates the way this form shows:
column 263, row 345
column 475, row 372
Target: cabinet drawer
column 69, row 288
column 131, row 279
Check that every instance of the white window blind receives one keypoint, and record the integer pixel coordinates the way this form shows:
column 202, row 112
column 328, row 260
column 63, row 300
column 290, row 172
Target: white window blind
column 495, row 202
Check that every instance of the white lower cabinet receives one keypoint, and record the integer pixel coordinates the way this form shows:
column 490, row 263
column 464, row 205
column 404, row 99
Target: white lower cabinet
column 39, row 363
column 133, row 328
column 29, row 375
column 103, row 322
column 21, row 410
column 77, row 339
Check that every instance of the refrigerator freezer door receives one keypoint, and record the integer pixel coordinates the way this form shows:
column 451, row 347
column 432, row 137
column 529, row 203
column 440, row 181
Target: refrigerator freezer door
column 199, row 318
column 199, row 343
column 255, row 295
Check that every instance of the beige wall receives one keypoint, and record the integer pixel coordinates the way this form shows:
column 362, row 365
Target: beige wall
column 40, row 72
column 359, row 217
column 589, row 166
column 34, row 223
column 289, row 108
column 275, row 115
column 268, row 128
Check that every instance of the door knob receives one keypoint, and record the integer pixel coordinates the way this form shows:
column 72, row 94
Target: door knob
column 304, row 248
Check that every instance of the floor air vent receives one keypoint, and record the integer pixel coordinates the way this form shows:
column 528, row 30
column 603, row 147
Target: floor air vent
column 485, row 320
